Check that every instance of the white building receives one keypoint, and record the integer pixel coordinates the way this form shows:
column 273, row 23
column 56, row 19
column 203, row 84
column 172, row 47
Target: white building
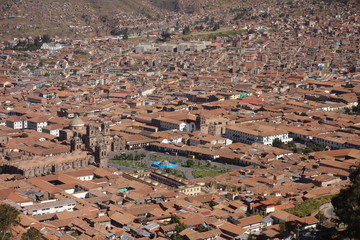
column 17, row 122
column 168, row 123
column 52, row 46
column 37, row 123
column 50, row 207
column 53, row 129
column 256, row 132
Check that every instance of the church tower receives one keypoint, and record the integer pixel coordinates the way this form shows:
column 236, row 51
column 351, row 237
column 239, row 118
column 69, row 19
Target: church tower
column 101, row 155
column 75, row 144
column 105, row 128
column 90, row 138
column 200, row 121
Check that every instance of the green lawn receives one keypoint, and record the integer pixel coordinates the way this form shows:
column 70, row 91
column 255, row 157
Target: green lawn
column 127, row 163
column 197, row 165
column 222, row 32
column 308, row 206
column 156, row 158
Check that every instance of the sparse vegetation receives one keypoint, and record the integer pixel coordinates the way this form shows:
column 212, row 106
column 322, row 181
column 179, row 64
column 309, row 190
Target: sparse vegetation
column 130, row 157
column 309, row 147
column 308, row 206
column 130, row 164
column 174, row 172
column 207, row 35
column 130, row 160
column 30, row 45
column 81, row 55
column 198, row 165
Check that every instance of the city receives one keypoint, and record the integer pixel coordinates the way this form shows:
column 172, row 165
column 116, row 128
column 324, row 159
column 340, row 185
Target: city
column 195, row 121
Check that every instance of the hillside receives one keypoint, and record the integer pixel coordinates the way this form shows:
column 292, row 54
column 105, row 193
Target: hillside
column 77, row 18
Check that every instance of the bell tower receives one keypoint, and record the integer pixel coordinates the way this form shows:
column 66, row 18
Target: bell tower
column 101, row 155
column 200, row 121
column 105, row 128
column 76, row 144
column 90, row 138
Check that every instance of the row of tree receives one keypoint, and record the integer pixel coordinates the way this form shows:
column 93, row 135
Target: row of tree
column 187, row 29
column 28, row 45
column 120, row 32
column 310, row 146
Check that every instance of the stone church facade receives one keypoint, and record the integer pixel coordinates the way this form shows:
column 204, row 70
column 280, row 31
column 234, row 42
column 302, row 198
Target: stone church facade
column 212, row 125
column 97, row 142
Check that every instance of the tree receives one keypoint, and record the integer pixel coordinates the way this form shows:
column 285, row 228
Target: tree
column 46, row 38
column 8, row 218
column 126, row 36
column 165, row 36
column 190, row 163
column 250, row 31
column 216, row 26
column 212, row 203
column 125, row 33
column 31, row 234
column 24, row 135
column 349, row 85
column 240, row 15
column 104, row 18
column 179, row 228
column 277, row 143
column 186, row 30
column 37, row 42
column 313, row 147
column 347, row 205
column 174, row 219
column 283, row 227
column 251, row 237
column 291, row 145
column 177, row 237
column 356, row 109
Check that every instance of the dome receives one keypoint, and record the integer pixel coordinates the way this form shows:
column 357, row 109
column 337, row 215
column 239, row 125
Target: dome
column 77, row 122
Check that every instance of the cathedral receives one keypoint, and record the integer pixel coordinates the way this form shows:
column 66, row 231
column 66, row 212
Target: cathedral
column 98, row 142
column 214, row 125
